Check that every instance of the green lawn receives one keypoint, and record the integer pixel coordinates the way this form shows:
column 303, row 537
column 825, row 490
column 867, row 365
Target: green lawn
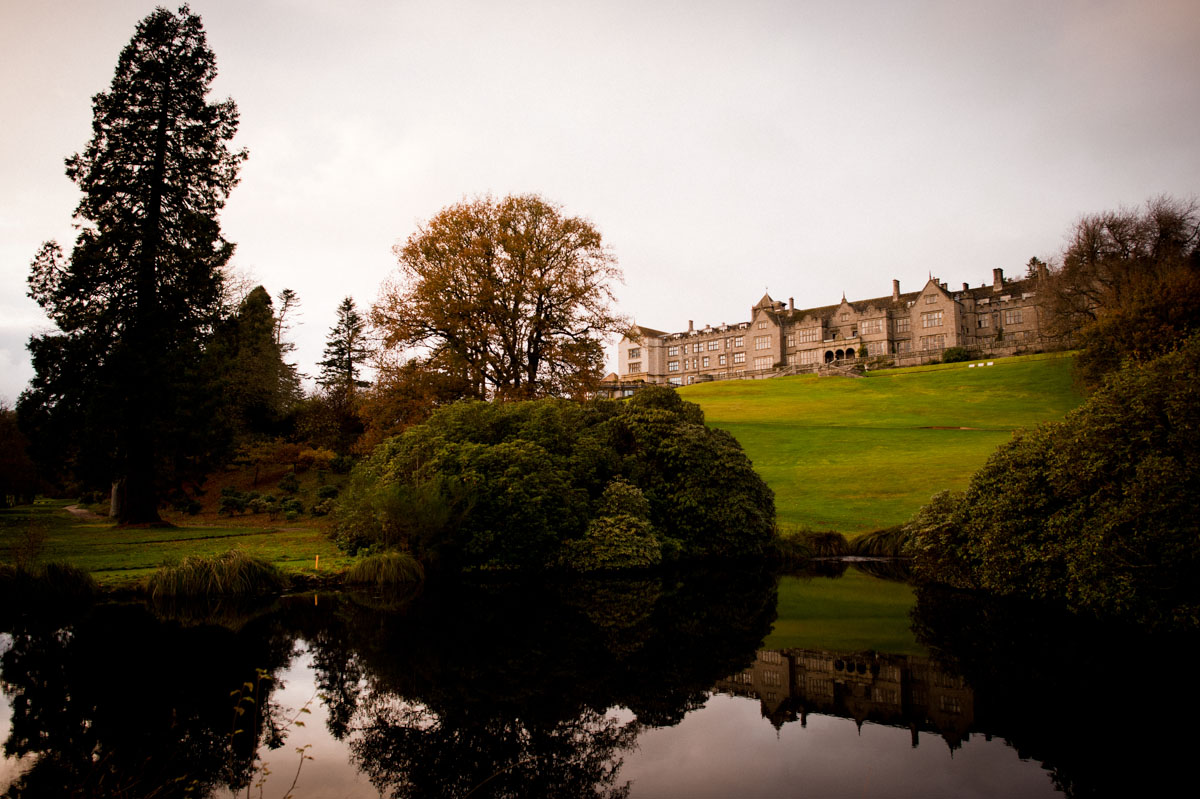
column 120, row 558
column 859, row 455
column 852, row 613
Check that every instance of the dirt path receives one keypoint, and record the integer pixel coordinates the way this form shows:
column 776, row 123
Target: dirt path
column 84, row 514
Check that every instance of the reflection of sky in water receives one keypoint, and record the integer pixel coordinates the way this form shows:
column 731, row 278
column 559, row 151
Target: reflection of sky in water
column 729, row 749
column 329, row 773
column 10, row 767
column 724, row 749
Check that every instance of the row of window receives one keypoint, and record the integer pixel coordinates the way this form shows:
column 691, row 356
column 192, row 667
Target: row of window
column 705, row 362
column 700, row 346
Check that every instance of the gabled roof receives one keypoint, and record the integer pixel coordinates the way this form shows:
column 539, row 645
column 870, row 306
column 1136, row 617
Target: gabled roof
column 765, row 302
column 642, row 332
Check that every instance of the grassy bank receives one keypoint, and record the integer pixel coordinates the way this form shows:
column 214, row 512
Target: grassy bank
column 122, row 558
column 860, row 455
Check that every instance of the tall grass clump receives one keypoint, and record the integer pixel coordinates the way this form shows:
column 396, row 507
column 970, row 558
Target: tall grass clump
column 825, row 544
column 233, row 573
column 386, row 569
column 33, row 586
column 886, row 543
column 791, row 549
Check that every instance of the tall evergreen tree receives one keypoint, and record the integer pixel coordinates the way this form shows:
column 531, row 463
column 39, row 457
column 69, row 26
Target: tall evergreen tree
column 257, row 387
column 345, row 351
column 144, row 285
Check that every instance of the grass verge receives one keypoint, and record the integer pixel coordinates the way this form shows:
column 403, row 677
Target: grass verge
column 123, row 558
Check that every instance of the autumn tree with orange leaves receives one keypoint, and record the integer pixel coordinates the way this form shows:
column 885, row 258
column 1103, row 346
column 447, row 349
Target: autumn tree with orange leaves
column 510, row 297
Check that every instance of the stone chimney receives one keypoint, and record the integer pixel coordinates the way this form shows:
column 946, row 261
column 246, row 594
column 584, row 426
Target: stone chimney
column 691, row 326
column 791, row 304
column 966, row 287
column 895, row 291
column 998, row 279
column 1043, row 271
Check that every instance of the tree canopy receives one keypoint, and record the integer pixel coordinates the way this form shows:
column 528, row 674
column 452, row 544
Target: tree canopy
column 1096, row 511
column 1129, row 285
column 549, row 483
column 510, row 295
column 144, row 284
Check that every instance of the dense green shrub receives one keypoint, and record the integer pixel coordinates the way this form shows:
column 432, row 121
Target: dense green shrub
column 1097, row 511
column 507, row 484
column 288, row 484
column 955, row 355
column 231, row 502
column 619, row 537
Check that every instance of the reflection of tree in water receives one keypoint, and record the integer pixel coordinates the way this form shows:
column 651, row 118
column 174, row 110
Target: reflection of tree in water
column 409, row 750
column 508, row 690
column 1092, row 702
column 116, row 703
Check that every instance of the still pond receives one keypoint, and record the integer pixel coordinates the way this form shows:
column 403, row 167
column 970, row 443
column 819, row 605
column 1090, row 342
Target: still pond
column 692, row 684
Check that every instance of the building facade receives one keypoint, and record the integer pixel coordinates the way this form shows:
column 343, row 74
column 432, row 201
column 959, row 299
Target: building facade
column 904, row 329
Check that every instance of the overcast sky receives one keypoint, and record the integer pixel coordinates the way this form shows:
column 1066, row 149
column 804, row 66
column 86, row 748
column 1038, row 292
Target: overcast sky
column 721, row 148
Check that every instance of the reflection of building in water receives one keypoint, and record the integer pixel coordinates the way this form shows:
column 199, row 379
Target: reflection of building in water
column 897, row 690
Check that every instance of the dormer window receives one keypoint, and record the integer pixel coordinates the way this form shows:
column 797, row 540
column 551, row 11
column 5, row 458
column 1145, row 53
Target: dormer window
column 930, row 299
column 845, row 317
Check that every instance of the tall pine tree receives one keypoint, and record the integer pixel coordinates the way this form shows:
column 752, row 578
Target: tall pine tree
column 144, row 285
column 345, row 350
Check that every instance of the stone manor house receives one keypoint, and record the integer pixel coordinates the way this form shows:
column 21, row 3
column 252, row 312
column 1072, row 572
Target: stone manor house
column 904, row 329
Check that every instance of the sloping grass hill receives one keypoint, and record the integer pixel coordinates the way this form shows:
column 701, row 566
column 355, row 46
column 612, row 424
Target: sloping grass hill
column 860, row 455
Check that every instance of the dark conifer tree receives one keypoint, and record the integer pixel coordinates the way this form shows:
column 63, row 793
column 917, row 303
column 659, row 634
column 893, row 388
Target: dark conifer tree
column 345, row 351
column 257, row 387
column 144, row 285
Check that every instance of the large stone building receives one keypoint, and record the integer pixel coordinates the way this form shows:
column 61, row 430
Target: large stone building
column 1000, row 318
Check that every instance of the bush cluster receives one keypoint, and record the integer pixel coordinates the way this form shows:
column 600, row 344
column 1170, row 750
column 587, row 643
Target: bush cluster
column 546, row 483
column 1097, row 511
column 233, row 502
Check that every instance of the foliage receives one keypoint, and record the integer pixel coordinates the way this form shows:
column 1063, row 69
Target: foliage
column 1096, row 511
column 620, row 536
column 887, row 543
column 257, row 388
column 233, row 573
column 386, row 569
column 289, row 484
column 36, row 585
column 345, row 351
column 1129, row 286
column 18, row 474
column 507, row 484
column 402, row 395
column 955, row 355
column 509, row 296
column 826, row 544
column 118, row 386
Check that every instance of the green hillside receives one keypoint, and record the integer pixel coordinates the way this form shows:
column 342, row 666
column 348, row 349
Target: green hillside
column 859, row 455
